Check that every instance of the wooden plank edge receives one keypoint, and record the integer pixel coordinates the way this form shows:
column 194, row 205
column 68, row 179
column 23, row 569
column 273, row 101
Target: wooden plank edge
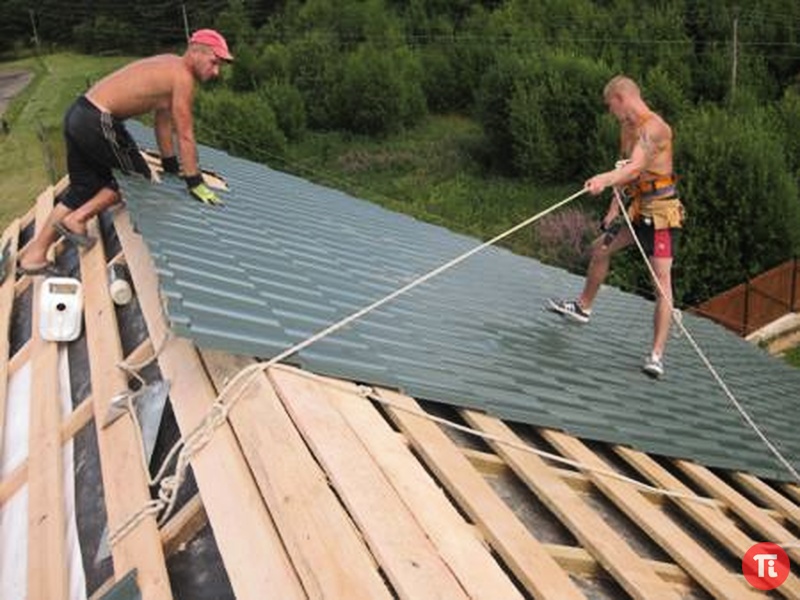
column 324, row 546
column 522, row 553
column 47, row 552
column 452, row 536
column 746, row 510
column 593, row 532
column 248, row 531
column 771, row 497
column 652, row 522
column 7, row 295
column 125, row 476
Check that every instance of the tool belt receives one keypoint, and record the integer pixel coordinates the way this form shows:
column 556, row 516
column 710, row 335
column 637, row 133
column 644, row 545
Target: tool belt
column 656, row 201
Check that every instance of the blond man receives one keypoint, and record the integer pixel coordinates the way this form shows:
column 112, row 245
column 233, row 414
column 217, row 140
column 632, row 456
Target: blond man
column 645, row 176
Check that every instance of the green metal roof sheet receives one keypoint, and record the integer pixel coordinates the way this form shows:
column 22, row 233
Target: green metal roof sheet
column 285, row 258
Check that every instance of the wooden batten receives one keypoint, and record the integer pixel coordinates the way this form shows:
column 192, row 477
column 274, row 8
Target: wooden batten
column 711, row 519
column 10, row 237
column 12, row 482
column 329, row 556
column 523, row 554
column 245, row 534
column 454, row 538
column 76, row 421
column 687, row 552
column 793, row 491
column 411, row 562
column 744, row 508
column 47, row 562
column 635, row 575
column 125, row 476
column 21, row 356
column 184, row 525
column 769, row 496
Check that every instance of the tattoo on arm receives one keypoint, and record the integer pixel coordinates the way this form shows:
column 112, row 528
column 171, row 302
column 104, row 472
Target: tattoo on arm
column 649, row 145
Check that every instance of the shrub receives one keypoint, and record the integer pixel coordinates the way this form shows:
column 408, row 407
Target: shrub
column 244, row 75
column 743, row 214
column 287, row 102
column 539, row 111
column 244, row 124
column 789, row 126
column 315, row 64
column 564, row 238
column 452, row 71
column 257, row 65
column 103, row 34
column 380, row 91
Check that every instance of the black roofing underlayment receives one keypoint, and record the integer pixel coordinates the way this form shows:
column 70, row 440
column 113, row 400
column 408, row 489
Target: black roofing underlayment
column 285, row 258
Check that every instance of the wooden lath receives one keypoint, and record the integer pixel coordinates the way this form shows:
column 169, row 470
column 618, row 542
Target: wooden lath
column 47, row 564
column 314, row 490
column 242, row 526
column 42, row 471
column 527, row 558
column 125, row 476
column 7, row 291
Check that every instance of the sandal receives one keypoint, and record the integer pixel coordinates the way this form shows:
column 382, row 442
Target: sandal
column 48, row 268
column 78, row 239
column 5, row 255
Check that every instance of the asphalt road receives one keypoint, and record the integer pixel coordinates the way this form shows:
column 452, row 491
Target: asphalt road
column 11, row 84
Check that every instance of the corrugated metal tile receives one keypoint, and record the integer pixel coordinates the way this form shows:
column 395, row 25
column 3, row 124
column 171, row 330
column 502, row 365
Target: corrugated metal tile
column 285, row 258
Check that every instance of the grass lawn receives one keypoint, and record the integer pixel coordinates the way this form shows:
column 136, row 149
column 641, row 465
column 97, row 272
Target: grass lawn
column 32, row 154
column 428, row 172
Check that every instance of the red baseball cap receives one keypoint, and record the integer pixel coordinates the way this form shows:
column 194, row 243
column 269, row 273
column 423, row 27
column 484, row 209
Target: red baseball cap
column 214, row 40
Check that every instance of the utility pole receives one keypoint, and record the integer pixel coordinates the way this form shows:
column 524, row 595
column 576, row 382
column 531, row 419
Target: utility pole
column 185, row 22
column 735, row 51
column 35, row 33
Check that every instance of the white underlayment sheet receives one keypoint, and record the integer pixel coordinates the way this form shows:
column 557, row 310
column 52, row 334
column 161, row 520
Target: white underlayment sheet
column 14, row 513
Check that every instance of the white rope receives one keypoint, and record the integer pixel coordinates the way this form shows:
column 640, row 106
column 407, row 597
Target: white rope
column 679, row 322
column 197, row 439
column 133, row 369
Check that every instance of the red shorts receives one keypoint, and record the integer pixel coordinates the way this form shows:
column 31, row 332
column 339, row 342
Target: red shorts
column 658, row 243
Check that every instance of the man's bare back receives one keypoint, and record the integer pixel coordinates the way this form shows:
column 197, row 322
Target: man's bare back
column 96, row 144
column 144, row 86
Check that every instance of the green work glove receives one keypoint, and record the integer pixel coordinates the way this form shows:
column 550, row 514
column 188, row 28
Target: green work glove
column 201, row 192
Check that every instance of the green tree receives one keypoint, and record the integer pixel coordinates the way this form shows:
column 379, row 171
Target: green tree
column 544, row 107
column 742, row 201
column 244, row 124
column 287, row 102
column 380, row 91
column 315, row 65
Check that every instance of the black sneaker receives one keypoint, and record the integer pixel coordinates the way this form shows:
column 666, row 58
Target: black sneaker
column 569, row 308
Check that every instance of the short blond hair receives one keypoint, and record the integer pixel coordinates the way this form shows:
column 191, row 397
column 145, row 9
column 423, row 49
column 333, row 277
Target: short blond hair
column 621, row 84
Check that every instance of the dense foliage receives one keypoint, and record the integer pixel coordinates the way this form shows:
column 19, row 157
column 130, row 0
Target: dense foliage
column 529, row 72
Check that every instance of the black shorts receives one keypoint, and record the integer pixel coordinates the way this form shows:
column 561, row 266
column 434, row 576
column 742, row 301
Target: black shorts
column 658, row 243
column 96, row 143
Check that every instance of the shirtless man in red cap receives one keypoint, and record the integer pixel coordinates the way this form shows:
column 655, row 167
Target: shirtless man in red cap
column 98, row 142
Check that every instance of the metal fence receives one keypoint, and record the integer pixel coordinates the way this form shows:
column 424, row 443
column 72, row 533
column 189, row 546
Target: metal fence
column 757, row 302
